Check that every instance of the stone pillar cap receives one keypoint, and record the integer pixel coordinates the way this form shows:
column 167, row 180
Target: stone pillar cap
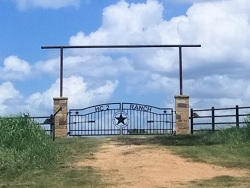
column 181, row 96
column 60, row 98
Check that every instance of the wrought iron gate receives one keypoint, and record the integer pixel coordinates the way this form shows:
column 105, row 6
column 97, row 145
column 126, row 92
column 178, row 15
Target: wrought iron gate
column 120, row 119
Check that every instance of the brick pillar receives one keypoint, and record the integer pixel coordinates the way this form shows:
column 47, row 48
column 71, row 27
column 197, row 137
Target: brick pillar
column 182, row 114
column 61, row 116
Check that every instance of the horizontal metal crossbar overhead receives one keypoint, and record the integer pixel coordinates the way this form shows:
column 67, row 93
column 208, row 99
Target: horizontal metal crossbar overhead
column 124, row 46
column 180, row 46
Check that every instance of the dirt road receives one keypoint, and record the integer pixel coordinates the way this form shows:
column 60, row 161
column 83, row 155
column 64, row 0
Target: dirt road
column 140, row 166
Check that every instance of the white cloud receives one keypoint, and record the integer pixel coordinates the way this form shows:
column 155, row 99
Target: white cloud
column 54, row 4
column 141, row 23
column 7, row 92
column 221, row 27
column 125, row 23
column 50, row 66
column 78, row 92
column 98, row 66
column 15, row 69
column 132, row 17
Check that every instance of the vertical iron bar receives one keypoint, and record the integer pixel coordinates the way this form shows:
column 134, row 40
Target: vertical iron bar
column 87, row 121
column 165, row 125
column 180, row 69
column 192, row 120
column 52, row 126
column 143, row 122
column 110, row 123
column 137, row 121
column 213, row 120
column 61, row 71
column 162, row 123
column 103, row 127
column 78, row 125
column 172, row 116
column 69, row 122
column 130, row 116
column 237, row 117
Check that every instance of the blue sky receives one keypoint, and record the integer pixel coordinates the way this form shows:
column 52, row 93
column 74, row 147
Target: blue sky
column 215, row 75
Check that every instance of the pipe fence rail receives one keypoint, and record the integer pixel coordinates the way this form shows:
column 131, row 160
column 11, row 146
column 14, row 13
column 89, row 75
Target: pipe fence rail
column 216, row 118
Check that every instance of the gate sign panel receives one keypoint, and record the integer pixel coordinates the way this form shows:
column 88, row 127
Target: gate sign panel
column 120, row 119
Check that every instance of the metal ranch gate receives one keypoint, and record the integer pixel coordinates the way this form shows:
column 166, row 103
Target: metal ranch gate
column 120, row 119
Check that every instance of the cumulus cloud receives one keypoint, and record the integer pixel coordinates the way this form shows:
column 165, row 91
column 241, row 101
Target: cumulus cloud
column 221, row 27
column 125, row 23
column 79, row 93
column 7, row 92
column 141, row 23
column 15, row 69
column 55, row 4
column 48, row 67
column 98, row 66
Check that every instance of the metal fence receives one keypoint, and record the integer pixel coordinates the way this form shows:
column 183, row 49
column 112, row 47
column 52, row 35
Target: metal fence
column 47, row 123
column 215, row 118
column 120, row 119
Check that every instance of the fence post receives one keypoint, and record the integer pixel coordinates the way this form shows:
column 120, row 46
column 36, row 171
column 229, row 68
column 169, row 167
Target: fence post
column 213, row 120
column 52, row 126
column 192, row 120
column 237, row 116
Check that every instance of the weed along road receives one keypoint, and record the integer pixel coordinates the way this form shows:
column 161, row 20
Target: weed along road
column 142, row 165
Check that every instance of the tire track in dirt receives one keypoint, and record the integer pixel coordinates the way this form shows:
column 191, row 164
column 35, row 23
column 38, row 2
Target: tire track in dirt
column 133, row 166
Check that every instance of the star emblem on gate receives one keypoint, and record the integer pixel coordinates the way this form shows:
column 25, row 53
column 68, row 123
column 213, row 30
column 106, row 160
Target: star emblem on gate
column 120, row 119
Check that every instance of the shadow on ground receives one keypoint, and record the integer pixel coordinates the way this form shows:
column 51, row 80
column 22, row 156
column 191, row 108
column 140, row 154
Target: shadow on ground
column 166, row 140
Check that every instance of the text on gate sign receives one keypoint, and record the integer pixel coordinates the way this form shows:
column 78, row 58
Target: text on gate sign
column 101, row 108
column 144, row 108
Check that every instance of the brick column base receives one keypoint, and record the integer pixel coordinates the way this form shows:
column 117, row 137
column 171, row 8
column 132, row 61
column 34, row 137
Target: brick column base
column 61, row 116
column 182, row 114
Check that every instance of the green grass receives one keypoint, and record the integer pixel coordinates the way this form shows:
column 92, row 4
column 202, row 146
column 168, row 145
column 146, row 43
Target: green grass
column 222, row 182
column 23, row 146
column 62, row 177
column 75, row 149
column 29, row 157
column 63, row 173
column 227, row 147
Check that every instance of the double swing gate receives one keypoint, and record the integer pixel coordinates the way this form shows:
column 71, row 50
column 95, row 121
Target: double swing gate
column 120, row 119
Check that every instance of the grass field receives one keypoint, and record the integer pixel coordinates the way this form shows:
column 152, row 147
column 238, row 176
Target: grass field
column 29, row 159
column 61, row 173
